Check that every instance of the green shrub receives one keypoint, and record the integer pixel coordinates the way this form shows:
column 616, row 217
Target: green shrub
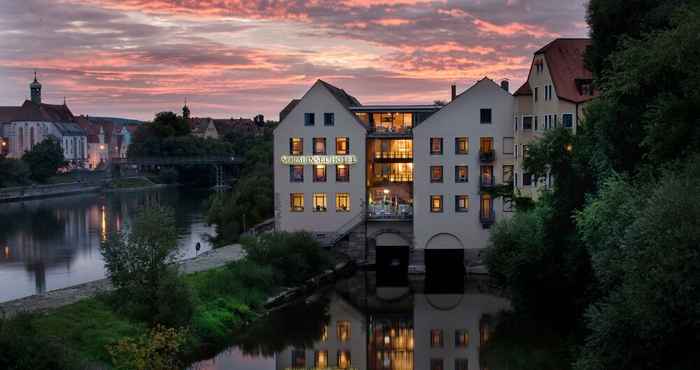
column 13, row 172
column 294, row 257
column 160, row 349
column 23, row 347
column 216, row 319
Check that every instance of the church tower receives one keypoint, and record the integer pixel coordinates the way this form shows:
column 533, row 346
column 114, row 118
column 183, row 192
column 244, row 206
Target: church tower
column 35, row 90
column 186, row 111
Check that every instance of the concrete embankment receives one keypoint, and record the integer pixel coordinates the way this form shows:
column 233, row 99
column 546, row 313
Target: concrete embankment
column 40, row 191
column 62, row 297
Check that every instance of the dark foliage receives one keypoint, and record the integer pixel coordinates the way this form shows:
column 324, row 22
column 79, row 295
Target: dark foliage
column 22, row 348
column 44, row 159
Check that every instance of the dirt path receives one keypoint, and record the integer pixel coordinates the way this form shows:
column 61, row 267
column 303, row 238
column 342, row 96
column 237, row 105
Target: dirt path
column 62, row 297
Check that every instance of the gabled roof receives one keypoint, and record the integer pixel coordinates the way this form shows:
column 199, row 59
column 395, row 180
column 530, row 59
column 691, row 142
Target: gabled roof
column 523, row 90
column 7, row 113
column 285, row 111
column 343, row 97
column 69, row 129
column 30, row 111
column 565, row 60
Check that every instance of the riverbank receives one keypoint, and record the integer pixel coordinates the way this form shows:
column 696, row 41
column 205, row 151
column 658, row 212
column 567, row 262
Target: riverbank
column 40, row 303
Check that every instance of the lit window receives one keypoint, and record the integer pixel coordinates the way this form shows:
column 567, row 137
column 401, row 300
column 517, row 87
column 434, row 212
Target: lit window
column 320, row 173
column 461, row 338
column 328, row 119
column 321, row 359
column 342, row 146
column 435, row 173
column 299, row 358
column 487, row 176
column 343, row 330
column 507, row 204
column 320, row 145
column 436, row 338
column 461, row 203
column 461, row 145
column 486, row 144
column 526, row 150
column 461, row 174
column 435, row 145
column 309, row 119
column 485, row 115
column 437, row 364
column 342, row 173
column 324, row 335
column 527, row 123
column 462, row 364
column 320, row 202
column 436, row 203
column 297, row 202
column 343, row 359
column 296, row 173
column 296, row 146
column 342, row 202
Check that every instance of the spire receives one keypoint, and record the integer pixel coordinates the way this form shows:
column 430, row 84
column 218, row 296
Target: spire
column 186, row 111
column 35, row 90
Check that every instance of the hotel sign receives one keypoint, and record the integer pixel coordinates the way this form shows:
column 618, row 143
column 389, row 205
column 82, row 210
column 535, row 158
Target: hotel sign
column 319, row 159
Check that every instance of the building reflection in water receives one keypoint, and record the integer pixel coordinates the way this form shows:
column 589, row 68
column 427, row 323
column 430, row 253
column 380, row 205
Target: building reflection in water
column 416, row 331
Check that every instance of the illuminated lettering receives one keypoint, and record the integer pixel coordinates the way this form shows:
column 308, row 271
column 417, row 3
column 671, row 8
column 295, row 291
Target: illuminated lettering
column 308, row 160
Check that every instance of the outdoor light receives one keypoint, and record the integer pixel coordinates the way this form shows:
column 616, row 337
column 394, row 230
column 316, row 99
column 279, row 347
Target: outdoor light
column 386, row 191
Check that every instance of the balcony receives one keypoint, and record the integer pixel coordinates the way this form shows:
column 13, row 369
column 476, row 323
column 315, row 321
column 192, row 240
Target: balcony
column 392, row 179
column 486, row 182
column 487, row 218
column 487, row 156
column 379, row 211
column 393, row 131
column 405, row 156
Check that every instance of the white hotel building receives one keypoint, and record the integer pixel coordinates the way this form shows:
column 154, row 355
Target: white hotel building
column 413, row 185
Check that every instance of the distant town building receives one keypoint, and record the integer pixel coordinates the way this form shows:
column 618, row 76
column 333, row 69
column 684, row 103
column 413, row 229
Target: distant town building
column 34, row 121
column 213, row 128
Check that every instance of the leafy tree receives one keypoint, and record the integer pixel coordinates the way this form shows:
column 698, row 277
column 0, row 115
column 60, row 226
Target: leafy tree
column 167, row 124
column 140, row 265
column 13, row 172
column 44, row 159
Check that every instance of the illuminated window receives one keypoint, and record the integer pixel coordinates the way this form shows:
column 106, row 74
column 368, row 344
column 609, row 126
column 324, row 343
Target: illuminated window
column 320, row 145
column 486, row 207
column 342, row 202
column 309, row 119
column 436, row 338
column 461, row 364
column 435, row 145
column 437, row 364
column 435, row 173
column 461, row 145
column 296, row 200
column 320, row 202
column 363, row 117
column 343, row 330
column 461, row 174
column 320, row 173
column 436, row 203
column 296, row 173
column 342, row 146
column 461, row 203
column 485, row 115
column 298, row 358
column 461, row 338
column 321, row 359
column 296, row 146
column 485, row 144
column 508, row 174
column 526, row 151
column 343, row 359
column 342, row 173
column 324, row 335
column 487, row 176
column 328, row 119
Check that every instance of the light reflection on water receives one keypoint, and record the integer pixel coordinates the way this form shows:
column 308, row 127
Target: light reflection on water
column 53, row 243
column 357, row 325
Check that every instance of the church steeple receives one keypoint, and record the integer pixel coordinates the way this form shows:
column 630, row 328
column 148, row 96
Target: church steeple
column 35, row 90
column 185, row 111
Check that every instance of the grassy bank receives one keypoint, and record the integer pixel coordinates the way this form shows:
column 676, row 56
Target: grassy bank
column 224, row 299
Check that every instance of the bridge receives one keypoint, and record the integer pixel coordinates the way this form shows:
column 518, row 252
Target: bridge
column 217, row 161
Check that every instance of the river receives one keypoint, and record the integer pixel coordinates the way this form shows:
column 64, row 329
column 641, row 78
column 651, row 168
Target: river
column 358, row 324
column 53, row 243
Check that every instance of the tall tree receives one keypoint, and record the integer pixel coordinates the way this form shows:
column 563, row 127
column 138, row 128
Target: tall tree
column 44, row 159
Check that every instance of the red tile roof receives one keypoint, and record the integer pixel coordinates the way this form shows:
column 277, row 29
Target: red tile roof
column 566, row 66
column 523, row 90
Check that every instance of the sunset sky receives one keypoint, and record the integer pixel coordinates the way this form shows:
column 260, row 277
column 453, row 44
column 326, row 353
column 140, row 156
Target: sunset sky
column 132, row 58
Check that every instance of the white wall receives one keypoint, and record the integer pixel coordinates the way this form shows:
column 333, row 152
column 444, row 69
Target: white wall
column 460, row 118
column 318, row 100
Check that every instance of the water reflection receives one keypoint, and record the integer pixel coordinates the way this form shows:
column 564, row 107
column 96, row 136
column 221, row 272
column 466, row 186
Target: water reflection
column 53, row 243
column 358, row 325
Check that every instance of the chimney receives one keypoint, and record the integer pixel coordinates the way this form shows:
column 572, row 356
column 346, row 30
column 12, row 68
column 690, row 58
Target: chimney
column 505, row 86
column 454, row 92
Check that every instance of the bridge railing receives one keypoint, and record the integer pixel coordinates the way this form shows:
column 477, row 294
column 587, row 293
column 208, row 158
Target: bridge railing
column 178, row 160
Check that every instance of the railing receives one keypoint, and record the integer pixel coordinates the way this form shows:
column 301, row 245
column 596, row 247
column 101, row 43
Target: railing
column 383, row 212
column 330, row 239
column 392, row 178
column 390, row 130
column 178, row 160
column 487, row 155
column 487, row 218
column 393, row 155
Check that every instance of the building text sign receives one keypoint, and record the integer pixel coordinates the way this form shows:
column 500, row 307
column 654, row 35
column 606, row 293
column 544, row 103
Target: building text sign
column 319, row 159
